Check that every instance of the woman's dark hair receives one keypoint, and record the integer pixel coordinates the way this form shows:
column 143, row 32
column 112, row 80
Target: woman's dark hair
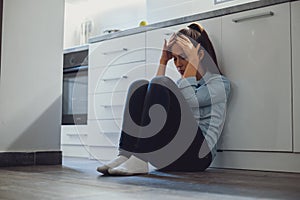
column 196, row 34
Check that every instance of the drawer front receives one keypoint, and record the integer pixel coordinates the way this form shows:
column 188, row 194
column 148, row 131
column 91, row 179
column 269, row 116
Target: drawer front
column 115, row 78
column 117, row 51
column 106, row 105
column 103, row 133
column 103, row 153
column 104, row 126
column 76, row 135
column 75, row 151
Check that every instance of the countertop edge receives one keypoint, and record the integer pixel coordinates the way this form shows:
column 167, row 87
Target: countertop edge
column 191, row 18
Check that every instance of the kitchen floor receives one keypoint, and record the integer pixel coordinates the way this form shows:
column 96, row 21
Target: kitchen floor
column 77, row 179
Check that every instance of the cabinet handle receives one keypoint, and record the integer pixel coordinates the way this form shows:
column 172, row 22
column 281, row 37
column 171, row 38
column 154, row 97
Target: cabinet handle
column 251, row 17
column 116, row 78
column 75, row 134
column 111, row 132
column 114, row 52
column 108, row 106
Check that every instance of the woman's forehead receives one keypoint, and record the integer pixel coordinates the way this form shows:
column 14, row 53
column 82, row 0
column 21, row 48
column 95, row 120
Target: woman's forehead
column 176, row 49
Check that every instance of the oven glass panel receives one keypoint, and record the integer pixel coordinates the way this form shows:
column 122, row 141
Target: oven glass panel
column 75, row 97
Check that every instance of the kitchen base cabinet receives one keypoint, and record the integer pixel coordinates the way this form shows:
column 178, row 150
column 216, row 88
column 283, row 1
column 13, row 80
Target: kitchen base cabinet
column 74, row 140
column 115, row 64
column 256, row 58
column 103, row 153
column 296, row 71
column 80, row 151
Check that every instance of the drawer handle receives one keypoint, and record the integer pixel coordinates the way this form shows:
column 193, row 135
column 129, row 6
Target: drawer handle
column 116, row 51
column 111, row 132
column 75, row 134
column 109, row 106
column 116, row 78
column 251, row 17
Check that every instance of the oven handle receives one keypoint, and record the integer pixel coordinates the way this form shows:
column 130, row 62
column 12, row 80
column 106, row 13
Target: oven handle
column 76, row 69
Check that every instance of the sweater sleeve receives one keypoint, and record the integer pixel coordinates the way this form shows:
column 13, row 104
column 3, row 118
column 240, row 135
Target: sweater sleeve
column 188, row 88
column 214, row 90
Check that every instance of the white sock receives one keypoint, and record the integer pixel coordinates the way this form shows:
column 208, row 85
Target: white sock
column 116, row 162
column 111, row 164
column 131, row 166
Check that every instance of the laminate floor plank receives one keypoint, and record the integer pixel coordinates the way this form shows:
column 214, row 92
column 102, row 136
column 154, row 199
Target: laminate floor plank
column 78, row 179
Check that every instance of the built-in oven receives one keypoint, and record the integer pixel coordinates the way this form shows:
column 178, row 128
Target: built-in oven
column 75, row 86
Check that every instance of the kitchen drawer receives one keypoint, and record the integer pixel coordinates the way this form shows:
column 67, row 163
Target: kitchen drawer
column 103, row 153
column 117, row 51
column 75, row 151
column 115, row 78
column 106, row 105
column 104, row 126
column 74, row 138
column 107, row 137
column 104, row 140
column 74, row 135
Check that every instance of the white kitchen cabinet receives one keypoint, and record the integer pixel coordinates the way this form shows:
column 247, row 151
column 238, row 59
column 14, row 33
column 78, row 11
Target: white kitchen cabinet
column 117, row 51
column 213, row 28
column 114, row 78
column 107, row 105
column 295, row 17
column 74, row 141
column 256, row 57
column 113, row 65
column 103, row 138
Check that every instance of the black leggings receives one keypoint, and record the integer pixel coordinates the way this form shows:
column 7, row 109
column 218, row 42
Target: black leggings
column 158, row 127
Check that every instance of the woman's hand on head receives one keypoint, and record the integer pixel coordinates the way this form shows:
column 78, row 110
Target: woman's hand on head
column 193, row 54
column 166, row 52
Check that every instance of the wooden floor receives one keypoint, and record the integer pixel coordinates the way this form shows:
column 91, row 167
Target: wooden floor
column 77, row 179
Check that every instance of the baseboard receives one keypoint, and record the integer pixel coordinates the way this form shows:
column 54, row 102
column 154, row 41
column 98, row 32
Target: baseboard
column 265, row 161
column 9, row 159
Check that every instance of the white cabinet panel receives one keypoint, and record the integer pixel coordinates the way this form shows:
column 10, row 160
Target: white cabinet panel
column 76, row 134
column 103, row 153
column 107, row 105
column 115, row 78
column 296, row 71
column 75, row 151
column 103, row 133
column 213, row 28
column 117, row 51
column 256, row 57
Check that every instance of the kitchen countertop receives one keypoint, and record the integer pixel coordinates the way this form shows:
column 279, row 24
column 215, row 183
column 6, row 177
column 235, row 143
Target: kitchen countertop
column 192, row 18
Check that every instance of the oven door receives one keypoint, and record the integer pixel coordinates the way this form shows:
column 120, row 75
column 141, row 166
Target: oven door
column 75, row 96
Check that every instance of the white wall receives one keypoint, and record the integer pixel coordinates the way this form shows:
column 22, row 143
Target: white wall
column 112, row 14
column 161, row 10
column 31, row 75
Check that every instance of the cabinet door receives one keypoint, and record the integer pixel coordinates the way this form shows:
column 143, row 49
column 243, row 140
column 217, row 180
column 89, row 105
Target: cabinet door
column 296, row 71
column 213, row 28
column 256, row 57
